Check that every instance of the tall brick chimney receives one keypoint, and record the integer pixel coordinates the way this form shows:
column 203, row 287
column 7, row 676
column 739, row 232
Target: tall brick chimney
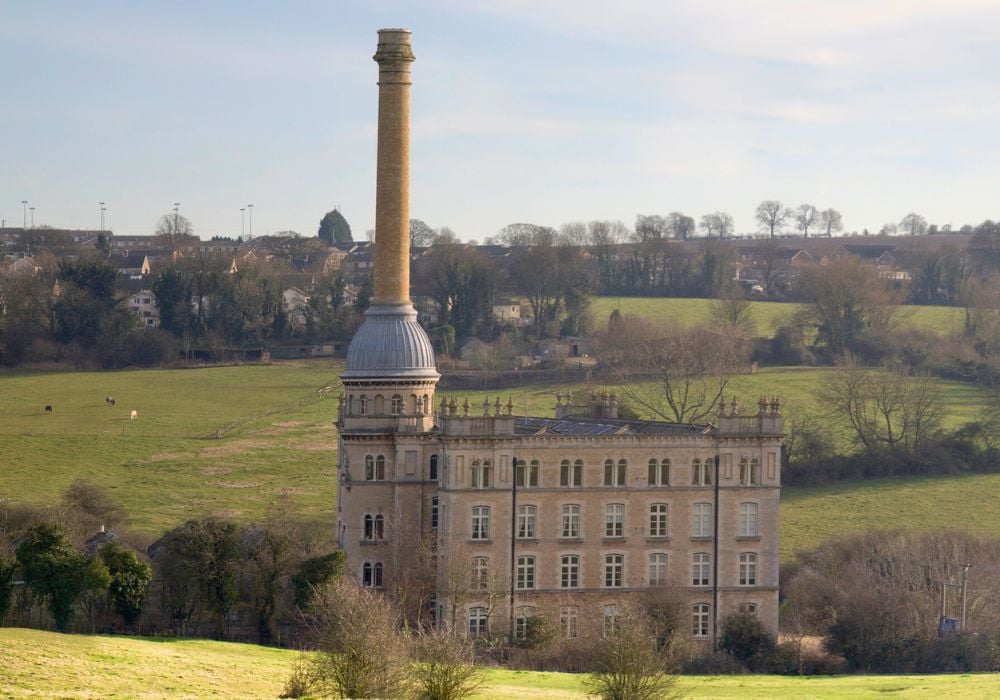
column 391, row 347
column 392, row 187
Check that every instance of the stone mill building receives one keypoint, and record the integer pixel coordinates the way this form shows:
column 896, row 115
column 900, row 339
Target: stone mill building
column 484, row 518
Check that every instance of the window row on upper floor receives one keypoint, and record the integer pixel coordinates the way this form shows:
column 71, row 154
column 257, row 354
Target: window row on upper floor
column 397, row 404
column 567, row 523
column 568, row 574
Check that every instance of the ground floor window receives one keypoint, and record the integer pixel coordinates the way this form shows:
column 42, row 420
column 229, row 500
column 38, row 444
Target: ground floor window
column 700, row 620
column 568, row 618
column 477, row 622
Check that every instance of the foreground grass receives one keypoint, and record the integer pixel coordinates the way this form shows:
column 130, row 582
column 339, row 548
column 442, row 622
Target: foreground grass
column 49, row 665
column 768, row 315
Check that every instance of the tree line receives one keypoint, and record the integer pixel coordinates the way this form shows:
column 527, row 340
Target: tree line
column 206, row 577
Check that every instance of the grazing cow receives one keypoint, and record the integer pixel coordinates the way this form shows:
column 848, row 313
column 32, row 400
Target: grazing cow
column 48, row 408
column 109, row 400
column 134, row 415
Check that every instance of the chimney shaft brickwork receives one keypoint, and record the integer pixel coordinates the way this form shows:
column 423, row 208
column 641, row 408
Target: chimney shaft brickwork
column 392, row 189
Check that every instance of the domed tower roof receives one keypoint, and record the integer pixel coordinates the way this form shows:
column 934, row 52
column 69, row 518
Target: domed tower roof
column 390, row 344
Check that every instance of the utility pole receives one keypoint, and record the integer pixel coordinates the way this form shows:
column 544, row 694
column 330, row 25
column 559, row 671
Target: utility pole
column 103, row 209
column 250, row 217
column 24, row 212
column 243, row 223
column 32, row 209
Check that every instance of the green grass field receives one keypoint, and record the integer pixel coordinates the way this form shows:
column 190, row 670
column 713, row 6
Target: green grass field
column 49, row 665
column 229, row 440
column 769, row 315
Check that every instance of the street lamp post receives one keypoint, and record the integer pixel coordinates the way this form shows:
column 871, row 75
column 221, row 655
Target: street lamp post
column 24, row 208
column 103, row 209
column 32, row 210
column 250, row 217
column 243, row 223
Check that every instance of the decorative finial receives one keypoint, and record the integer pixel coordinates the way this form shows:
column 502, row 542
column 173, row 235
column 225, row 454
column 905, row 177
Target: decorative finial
column 486, row 406
column 510, row 406
column 496, row 407
column 465, row 406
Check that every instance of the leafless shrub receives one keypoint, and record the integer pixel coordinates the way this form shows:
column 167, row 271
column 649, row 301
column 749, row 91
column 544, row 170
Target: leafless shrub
column 445, row 668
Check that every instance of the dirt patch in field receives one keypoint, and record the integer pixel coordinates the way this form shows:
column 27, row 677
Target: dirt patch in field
column 235, row 447
column 168, row 457
column 237, row 484
column 215, row 471
column 290, row 424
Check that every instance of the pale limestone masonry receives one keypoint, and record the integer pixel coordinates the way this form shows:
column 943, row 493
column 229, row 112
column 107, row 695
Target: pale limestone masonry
column 580, row 512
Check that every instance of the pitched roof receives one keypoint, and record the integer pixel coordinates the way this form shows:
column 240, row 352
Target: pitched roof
column 584, row 425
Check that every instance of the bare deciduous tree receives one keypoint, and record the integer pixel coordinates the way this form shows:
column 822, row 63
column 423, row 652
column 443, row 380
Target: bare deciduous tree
column 445, row 666
column 805, row 217
column 691, row 368
column 831, row 220
column 883, row 409
column 362, row 653
column 771, row 215
column 913, row 224
column 625, row 660
column 717, row 223
column 734, row 313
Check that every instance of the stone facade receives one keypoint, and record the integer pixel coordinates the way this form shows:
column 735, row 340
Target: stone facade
column 481, row 518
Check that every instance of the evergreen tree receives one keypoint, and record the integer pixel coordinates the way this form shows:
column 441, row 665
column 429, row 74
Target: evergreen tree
column 333, row 228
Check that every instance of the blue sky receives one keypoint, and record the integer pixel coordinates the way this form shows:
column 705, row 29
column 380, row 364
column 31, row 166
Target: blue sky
column 543, row 111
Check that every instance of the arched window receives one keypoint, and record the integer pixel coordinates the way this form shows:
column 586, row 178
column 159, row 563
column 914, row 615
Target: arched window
column 480, row 522
column 380, row 468
column 525, row 573
column 701, row 520
column 527, row 519
column 369, row 468
column 700, row 569
column 748, row 520
column 569, row 574
column 523, row 614
column 363, row 405
column 525, row 474
column 478, row 622
column 371, row 575
column 610, row 619
column 701, row 473
column 658, row 569
column 412, row 405
column 482, row 474
column 570, row 521
column 744, row 472
column 614, row 520
column 659, row 472
column 433, row 472
column 748, row 569
column 480, row 573
column 568, row 621
column 614, row 570
column 614, row 474
column 397, row 405
column 699, row 620
column 374, row 527
column 427, row 405
column 658, row 520
column 379, row 405
column 755, row 472
column 571, row 474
